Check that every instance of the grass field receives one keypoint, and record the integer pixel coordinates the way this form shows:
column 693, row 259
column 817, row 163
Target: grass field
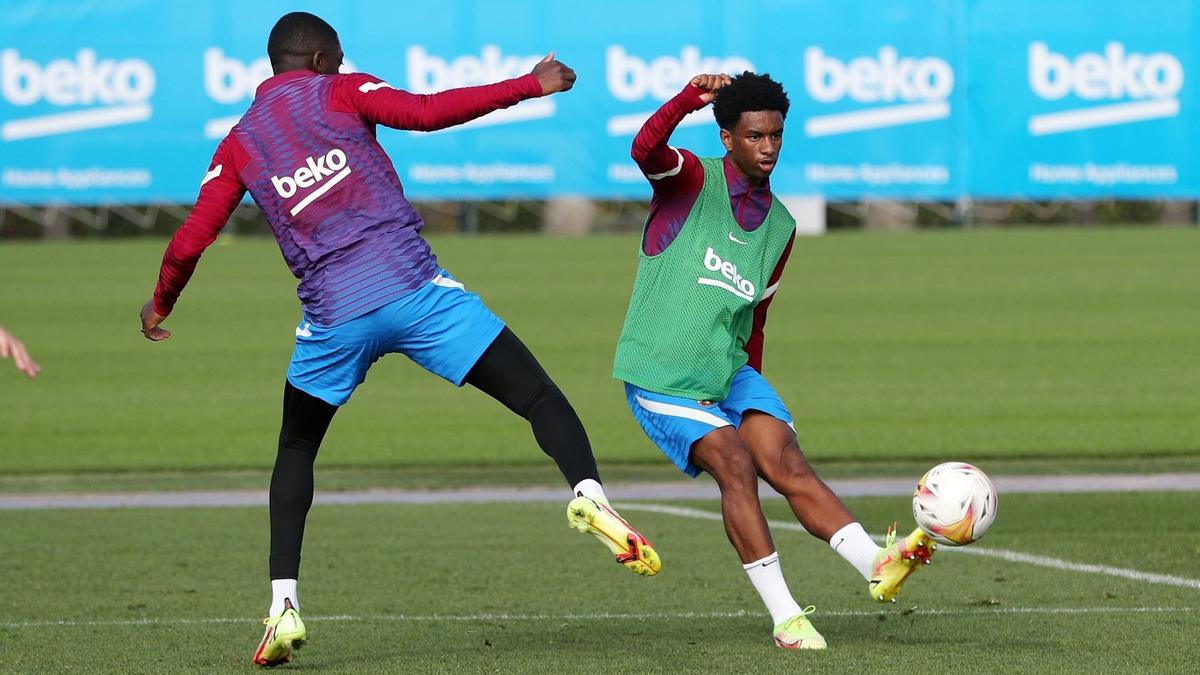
column 1027, row 351
column 509, row 588
column 1004, row 345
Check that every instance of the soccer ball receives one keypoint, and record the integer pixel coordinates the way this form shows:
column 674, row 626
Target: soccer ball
column 955, row 503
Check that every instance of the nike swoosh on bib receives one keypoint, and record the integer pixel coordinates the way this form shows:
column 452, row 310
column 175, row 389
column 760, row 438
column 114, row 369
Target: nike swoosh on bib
column 736, row 240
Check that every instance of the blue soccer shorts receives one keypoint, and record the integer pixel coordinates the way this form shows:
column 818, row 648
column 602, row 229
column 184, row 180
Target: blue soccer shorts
column 675, row 423
column 441, row 326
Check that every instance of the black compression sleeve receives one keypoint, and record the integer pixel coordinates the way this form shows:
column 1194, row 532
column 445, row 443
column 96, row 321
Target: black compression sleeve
column 509, row 373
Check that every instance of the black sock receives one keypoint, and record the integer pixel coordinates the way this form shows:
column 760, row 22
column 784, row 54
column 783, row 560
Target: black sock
column 305, row 420
column 509, row 373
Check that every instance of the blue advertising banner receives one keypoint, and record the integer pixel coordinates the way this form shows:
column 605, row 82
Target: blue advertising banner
column 934, row 99
column 1082, row 100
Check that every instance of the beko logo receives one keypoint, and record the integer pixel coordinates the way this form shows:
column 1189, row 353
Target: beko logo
column 631, row 78
column 1147, row 86
column 739, row 285
column 911, row 90
column 115, row 91
column 316, row 169
column 428, row 73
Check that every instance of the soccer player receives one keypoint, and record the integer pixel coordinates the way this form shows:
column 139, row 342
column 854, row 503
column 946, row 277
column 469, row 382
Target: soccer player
column 369, row 285
column 11, row 347
column 713, row 251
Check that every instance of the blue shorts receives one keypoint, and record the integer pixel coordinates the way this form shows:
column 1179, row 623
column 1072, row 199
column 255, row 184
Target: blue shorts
column 441, row 326
column 675, row 423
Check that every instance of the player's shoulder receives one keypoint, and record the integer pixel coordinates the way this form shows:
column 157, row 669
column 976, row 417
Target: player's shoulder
column 361, row 82
column 781, row 208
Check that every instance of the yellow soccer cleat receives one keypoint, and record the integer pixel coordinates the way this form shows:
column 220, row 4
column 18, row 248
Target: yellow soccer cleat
column 631, row 549
column 896, row 561
column 285, row 633
column 798, row 633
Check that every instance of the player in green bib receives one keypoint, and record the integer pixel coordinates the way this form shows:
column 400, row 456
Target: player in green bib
column 690, row 353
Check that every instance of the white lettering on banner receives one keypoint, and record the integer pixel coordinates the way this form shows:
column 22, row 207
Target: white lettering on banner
column 428, row 74
column 1152, row 81
column 631, row 78
column 742, row 287
column 482, row 174
column 229, row 80
column 122, row 87
column 916, row 89
column 877, row 174
column 1104, row 175
column 68, row 178
column 316, row 169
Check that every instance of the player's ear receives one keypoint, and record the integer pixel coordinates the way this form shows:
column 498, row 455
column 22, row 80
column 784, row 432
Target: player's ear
column 727, row 140
column 317, row 63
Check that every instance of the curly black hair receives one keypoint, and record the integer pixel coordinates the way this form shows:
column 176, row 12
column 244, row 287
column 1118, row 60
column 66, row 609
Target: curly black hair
column 748, row 92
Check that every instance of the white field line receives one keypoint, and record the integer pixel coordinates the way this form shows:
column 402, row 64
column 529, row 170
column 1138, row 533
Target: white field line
column 601, row 616
column 1010, row 556
column 659, row 491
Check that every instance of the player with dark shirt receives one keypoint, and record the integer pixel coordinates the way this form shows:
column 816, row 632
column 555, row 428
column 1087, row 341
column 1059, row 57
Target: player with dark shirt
column 369, row 284
column 711, row 258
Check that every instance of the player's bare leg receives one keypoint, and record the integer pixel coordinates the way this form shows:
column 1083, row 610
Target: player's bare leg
column 722, row 454
column 777, row 457
column 779, row 460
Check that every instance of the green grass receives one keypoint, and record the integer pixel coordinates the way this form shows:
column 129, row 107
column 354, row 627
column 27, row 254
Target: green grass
column 178, row 590
column 1005, row 345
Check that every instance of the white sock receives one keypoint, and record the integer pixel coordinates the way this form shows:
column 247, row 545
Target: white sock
column 854, row 544
column 767, row 578
column 590, row 488
column 282, row 589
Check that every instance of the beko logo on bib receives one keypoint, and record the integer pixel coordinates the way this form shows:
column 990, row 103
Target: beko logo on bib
column 316, row 169
column 631, row 78
column 429, row 73
column 914, row 89
column 740, row 286
column 118, row 92
column 1152, row 81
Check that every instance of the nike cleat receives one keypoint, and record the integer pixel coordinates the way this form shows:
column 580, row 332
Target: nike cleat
column 897, row 561
column 631, row 549
column 285, row 634
column 798, row 633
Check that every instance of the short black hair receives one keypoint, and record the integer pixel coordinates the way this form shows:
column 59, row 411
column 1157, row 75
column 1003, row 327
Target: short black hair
column 297, row 35
column 748, row 92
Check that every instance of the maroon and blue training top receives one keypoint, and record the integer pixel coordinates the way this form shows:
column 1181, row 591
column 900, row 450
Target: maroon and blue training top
column 307, row 154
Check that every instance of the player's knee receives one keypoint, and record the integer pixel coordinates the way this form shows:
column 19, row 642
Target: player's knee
column 790, row 471
column 732, row 467
column 547, row 397
column 301, row 445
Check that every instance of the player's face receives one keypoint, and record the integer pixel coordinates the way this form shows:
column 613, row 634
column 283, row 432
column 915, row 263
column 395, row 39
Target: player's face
column 754, row 143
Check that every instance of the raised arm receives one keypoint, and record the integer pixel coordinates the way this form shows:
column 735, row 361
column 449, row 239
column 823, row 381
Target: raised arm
column 379, row 103
column 754, row 345
column 668, row 169
column 220, row 192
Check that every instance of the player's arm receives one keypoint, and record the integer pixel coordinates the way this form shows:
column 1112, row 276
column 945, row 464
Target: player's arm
column 378, row 103
column 671, row 170
column 754, row 345
column 220, row 192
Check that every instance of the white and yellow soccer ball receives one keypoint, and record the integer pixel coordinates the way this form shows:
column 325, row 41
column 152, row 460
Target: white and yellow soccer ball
column 955, row 503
